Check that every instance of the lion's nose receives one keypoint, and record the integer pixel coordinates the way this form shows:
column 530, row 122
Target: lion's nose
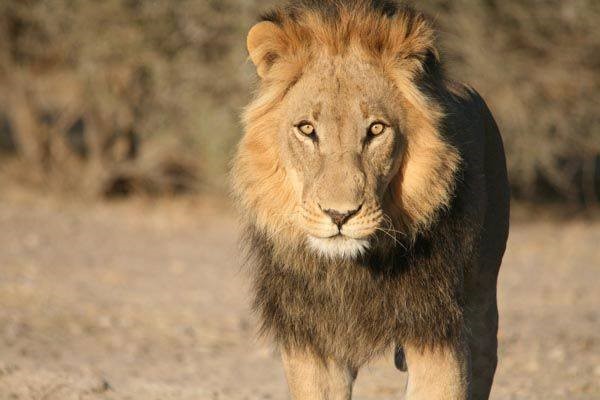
column 340, row 217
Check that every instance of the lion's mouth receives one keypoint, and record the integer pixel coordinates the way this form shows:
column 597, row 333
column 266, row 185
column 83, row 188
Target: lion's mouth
column 338, row 246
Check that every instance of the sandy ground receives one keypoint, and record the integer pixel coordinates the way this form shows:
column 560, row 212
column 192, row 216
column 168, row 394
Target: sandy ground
column 147, row 301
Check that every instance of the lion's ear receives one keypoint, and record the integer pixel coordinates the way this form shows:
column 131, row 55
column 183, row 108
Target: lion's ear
column 266, row 43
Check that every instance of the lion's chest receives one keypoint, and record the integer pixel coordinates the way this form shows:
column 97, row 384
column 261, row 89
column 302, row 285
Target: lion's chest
column 349, row 310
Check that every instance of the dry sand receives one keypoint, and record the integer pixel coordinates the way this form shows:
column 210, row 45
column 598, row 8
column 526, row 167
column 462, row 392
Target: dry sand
column 148, row 301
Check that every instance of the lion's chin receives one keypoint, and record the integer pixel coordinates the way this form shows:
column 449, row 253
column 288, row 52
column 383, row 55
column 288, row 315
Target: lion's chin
column 338, row 246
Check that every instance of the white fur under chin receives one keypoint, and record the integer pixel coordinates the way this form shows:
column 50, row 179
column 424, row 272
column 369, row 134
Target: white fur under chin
column 338, row 247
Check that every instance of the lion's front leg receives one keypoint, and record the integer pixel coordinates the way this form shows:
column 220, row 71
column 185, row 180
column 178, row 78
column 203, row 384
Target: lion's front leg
column 314, row 378
column 439, row 373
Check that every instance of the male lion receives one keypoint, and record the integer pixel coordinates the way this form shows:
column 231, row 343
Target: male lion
column 375, row 201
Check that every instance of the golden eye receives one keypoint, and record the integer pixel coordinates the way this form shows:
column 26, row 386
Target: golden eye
column 306, row 129
column 376, row 128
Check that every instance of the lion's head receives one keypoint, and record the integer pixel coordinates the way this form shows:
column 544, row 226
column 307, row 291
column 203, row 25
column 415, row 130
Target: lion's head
column 341, row 142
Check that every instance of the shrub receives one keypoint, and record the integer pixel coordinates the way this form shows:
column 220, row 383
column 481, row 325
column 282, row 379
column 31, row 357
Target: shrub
column 122, row 95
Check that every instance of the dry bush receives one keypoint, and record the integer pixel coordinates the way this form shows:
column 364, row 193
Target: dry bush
column 538, row 65
column 113, row 96
column 123, row 95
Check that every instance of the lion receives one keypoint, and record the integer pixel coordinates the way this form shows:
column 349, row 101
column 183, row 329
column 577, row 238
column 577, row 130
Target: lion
column 375, row 201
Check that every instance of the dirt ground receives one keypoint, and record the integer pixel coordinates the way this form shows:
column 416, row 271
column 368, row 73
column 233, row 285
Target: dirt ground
column 147, row 300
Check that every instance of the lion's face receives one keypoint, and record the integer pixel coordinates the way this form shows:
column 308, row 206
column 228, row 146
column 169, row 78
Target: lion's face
column 340, row 142
column 340, row 136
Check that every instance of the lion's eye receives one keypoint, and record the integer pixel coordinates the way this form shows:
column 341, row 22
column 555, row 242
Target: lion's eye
column 306, row 128
column 376, row 128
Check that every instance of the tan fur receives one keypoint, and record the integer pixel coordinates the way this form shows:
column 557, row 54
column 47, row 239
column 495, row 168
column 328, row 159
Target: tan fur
column 397, row 47
column 310, row 377
column 436, row 373
column 415, row 264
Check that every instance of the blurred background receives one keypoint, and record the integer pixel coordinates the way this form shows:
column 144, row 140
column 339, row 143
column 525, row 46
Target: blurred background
column 139, row 101
column 116, row 97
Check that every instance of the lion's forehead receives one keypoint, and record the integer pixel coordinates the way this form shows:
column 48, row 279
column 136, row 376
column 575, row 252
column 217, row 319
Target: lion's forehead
column 341, row 87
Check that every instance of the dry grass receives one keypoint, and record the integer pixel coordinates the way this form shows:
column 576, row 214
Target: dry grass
column 145, row 300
